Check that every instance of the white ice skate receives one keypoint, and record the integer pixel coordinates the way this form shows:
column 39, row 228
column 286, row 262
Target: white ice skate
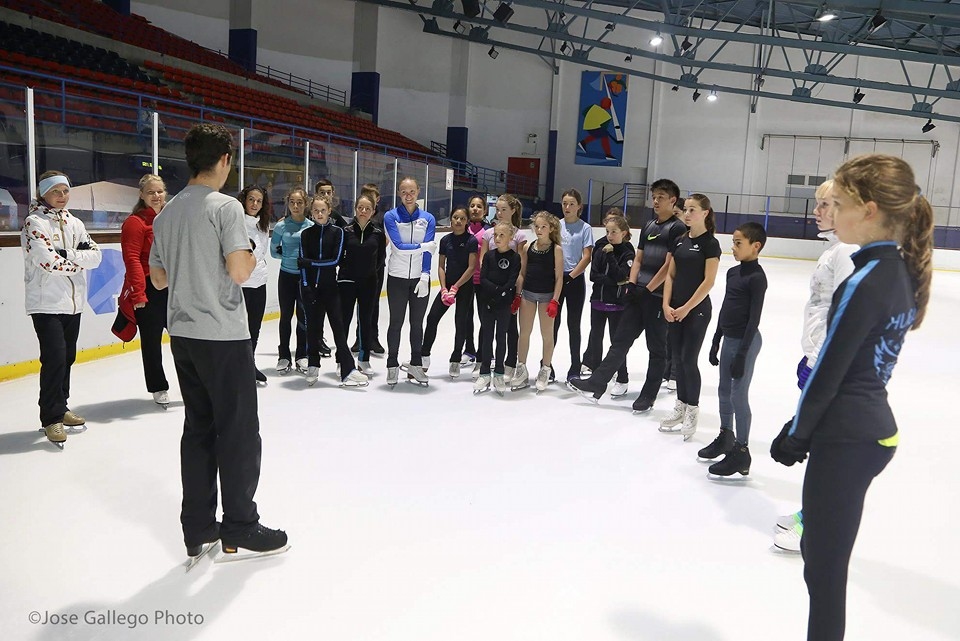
column 355, row 379
column 788, row 541
column 302, row 365
column 283, row 366
column 454, row 370
column 619, row 389
column 425, row 360
column 162, row 398
column 205, row 549
column 499, row 384
column 482, row 384
column 521, row 378
column 418, row 375
column 364, row 366
column 689, row 427
column 670, row 425
column 393, row 373
column 476, row 371
column 543, row 378
column 313, row 373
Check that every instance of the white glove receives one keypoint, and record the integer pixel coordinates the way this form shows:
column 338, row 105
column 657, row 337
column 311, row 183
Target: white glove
column 430, row 246
column 423, row 287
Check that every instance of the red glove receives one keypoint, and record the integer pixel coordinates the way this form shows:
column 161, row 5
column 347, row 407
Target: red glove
column 553, row 308
column 515, row 305
column 449, row 297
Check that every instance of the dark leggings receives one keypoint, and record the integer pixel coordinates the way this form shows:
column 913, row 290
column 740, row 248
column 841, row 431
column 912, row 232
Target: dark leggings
column 573, row 294
column 288, row 294
column 400, row 295
column 638, row 316
column 495, row 325
column 462, row 318
column 151, row 321
column 255, row 300
column 365, row 296
column 686, row 339
column 57, row 334
column 834, row 487
column 594, row 353
column 326, row 304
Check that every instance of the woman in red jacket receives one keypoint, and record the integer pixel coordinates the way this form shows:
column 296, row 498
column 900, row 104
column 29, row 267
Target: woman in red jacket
column 149, row 304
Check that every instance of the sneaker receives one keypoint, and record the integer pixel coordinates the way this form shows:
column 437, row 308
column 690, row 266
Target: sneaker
column 482, row 384
column 454, row 370
column 261, row 377
column 355, row 379
column 675, row 418
column 672, row 385
column 161, row 397
column 393, row 373
column 587, row 388
column 619, row 389
column 302, row 365
column 73, row 423
column 499, row 384
column 256, row 539
column 788, row 521
column 324, row 350
column 720, row 446
column 283, row 365
column 521, row 377
column 313, row 373
column 737, row 460
column 55, row 432
column 543, row 378
column 642, row 404
column 789, row 540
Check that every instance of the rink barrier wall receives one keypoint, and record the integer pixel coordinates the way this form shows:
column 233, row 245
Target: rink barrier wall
column 19, row 349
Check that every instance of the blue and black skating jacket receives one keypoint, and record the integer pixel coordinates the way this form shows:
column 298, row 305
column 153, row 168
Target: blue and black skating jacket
column 845, row 398
column 323, row 245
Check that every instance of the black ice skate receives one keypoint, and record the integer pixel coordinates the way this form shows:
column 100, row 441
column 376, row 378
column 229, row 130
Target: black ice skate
column 256, row 542
column 586, row 388
column 736, row 461
column 196, row 552
column 720, row 446
column 324, row 349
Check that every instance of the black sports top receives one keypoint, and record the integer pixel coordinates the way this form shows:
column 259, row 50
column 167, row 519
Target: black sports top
column 541, row 270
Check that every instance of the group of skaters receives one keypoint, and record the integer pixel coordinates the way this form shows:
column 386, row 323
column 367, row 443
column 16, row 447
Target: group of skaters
column 199, row 270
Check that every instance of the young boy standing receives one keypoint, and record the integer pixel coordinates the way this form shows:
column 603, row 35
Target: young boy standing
column 739, row 329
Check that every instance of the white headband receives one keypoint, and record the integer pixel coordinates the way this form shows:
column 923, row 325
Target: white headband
column 50, row 182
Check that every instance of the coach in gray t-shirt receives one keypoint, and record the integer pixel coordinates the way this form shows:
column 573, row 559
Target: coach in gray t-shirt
column 202, row 253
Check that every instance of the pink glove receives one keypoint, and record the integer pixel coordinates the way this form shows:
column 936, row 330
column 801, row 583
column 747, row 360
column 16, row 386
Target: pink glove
column 553, row 308
column 449, row 297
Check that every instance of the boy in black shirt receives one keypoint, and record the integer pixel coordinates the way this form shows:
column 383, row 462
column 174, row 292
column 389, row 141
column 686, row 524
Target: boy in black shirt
column 738, row 326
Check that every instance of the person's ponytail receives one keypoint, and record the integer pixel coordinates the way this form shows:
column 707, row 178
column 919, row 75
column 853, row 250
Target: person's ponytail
column 917, row 248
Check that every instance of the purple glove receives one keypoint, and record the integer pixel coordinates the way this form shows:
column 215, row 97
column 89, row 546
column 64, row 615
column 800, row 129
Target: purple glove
column 803, row 373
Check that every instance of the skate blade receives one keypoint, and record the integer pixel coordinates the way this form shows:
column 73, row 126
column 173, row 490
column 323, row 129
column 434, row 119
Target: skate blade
column 707, row 460
column 349, row 385
column 248, row 555
column 517, row 388
column 480, row 391
column 164, row 406
column 420, row 383
column 74, row 430
column 734, row 479
column 192, row 561
column 669, row 430
column 782, row 552
column 311, row 383
column 687, row 437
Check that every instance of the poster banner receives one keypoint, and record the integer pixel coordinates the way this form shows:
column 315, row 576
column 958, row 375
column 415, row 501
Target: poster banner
column 602, row 120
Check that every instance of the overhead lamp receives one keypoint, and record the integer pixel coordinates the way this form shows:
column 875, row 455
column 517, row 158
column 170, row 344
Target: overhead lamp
column 826, row 15
column 503, row 13
column 459, row 27
column 431, row 26
column 696, row 95
column 712, row 97
column 493, row 53
column 610, row 26
column 858, row 96
column 564, row 48
column 675, row 88
column 686, row 44
column 657, row 40
column 628, row 58
column 875, row 23
column 927, row 128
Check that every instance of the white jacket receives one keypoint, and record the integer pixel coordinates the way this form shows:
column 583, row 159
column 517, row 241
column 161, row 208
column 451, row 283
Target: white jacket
column 53, row 284
column 262, row 240
column 833, row 267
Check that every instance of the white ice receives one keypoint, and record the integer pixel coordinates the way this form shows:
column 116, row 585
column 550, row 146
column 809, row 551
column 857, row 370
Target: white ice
column 430, row 514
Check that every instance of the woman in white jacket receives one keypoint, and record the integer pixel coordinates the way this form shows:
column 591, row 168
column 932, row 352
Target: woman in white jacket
column 833, row 267
column 57, row 250
column 256, row 206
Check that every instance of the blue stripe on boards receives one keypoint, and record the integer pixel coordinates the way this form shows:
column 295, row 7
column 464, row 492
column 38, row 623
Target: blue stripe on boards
column 849, row 289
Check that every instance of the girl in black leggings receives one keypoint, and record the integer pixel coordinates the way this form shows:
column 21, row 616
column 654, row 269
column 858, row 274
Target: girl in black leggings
column 576, row 237
column 844, row 420
column 256, row 206
column 687, row 309
column 364, row 252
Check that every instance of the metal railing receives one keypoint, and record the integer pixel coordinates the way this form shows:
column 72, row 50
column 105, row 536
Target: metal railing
column 312, row 88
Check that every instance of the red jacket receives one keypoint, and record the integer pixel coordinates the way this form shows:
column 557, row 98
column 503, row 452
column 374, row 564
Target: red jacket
column 136, row 240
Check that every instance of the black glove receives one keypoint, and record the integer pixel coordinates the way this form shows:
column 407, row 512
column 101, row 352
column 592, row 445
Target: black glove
column 567, row 278
column 62, row 252
column 253, row 245
column 308, row 295
column 304, row 262
column 715, row 352
column 83, row 245
column 279, row 249
column 787, row 449
column 736, row 367
column 633, row 293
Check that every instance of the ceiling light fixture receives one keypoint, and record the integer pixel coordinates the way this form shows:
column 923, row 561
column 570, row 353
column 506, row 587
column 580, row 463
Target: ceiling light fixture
column 826, row 15
column 459, row 27
column 675, row 88
column 858, row 96
column 657, row 40
column 564, row 48
column 875, row 24
column 503, row 13
column 686, row 44
column 696, row 95
column 493, row 53
column 628, row 58
column 927, row 128
column 610, row 26
column 712, row 97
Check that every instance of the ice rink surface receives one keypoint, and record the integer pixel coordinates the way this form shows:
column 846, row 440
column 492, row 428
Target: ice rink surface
column 433, row 515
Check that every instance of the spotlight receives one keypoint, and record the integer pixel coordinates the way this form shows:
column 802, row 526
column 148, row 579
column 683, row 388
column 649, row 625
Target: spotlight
column 471, row 8
column 825, row 15
column 431, row 26
column 657, row 40
column 503, row 13
column 696, row 95
column 610, row 26
column 493, row 53
column 858, row 96
column 875, row 24
column 712, row 97
column 927, row 128
column 686, row 44
column 459, row 27
column 675, row 88
column 628, row 58
column 564, row 48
